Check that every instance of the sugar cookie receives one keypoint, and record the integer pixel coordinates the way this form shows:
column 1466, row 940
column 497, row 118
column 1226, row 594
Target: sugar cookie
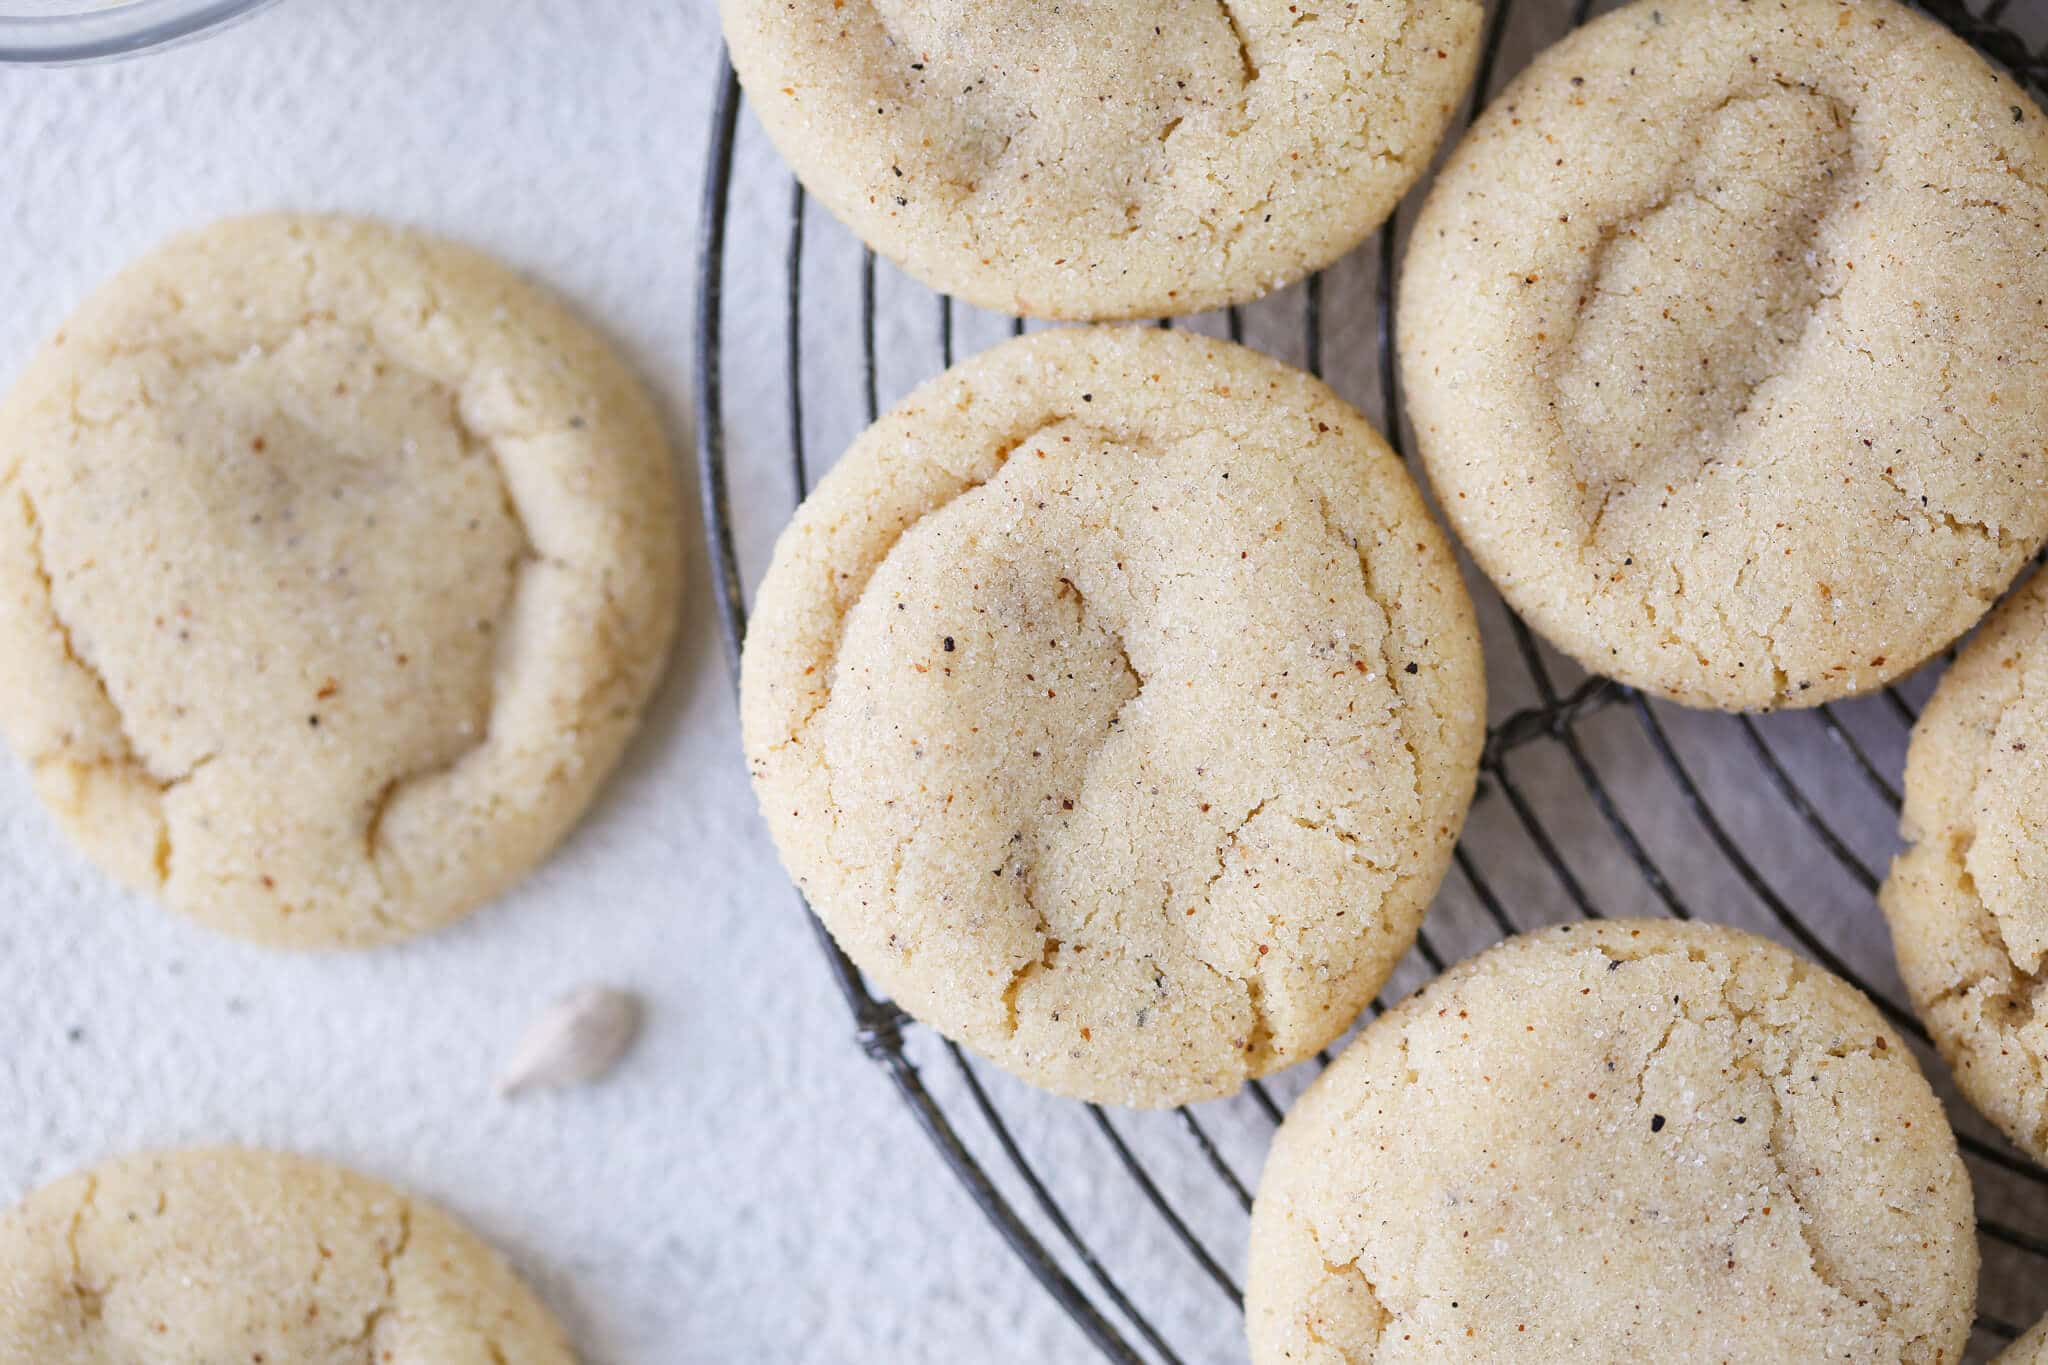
column 1722, row 335
column 1106, row 158
column 1968, row 902
column 336, row 564
column 207, row 1257
column 1117, row 704
column 1617, row 1141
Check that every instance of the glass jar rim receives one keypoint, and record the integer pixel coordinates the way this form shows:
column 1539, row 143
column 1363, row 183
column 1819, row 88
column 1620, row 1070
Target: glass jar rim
column 109, row 31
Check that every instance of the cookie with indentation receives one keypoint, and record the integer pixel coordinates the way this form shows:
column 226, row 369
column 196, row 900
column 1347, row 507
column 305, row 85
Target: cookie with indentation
column 1106, row 158
column 1722, row 336
column 336, row 563
column 203, row 1257
column 1117, row 705
column 1968, row 901
column 1619, row 1141
column 2031, row 1349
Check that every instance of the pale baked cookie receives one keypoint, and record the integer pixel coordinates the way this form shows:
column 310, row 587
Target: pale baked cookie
column 207, row 1257
column 1723, row 334
column 1968, row 901
column 335, row 566
column 1620, row 1141
column 2031, row 1349
column 1106, row 158
column 1117, row 704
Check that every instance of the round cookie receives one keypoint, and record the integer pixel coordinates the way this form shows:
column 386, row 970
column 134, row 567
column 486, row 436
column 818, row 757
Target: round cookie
column 1968, row 901
column 336, row 564
column 1618, row 1141
column 2031, row 1349
column 1106, row 158
column 1117, row 705
column 210, row 1256
column 1722, row 336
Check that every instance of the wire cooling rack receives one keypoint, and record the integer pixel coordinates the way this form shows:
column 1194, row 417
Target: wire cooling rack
column 1594, row 800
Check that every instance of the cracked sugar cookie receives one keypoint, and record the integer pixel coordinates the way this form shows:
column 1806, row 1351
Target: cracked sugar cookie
column 1968, row 901
column 1619, row 1141
column 1722, row 337
column 208, row 1256
column 1117, row 705
column 336, row 563
column 1106, row 158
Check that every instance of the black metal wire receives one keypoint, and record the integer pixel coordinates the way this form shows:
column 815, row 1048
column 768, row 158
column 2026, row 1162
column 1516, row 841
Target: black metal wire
column 1841, row 735
column 1567, row 712
column 1150, row 1189
column 1863, row 875
column 880, row 1027
column 1997, row 1327
column 1216, row 1162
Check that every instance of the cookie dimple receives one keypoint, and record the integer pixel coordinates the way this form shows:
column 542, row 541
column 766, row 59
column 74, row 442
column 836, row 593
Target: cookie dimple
column 1659, row 371
column 336, row 564
column 1127, row 744
column 1741, row 1156
column 1968, row 900
column 1106, row 158
column 1018, row 105
column 1719, row 345
column 203, row 1256
column 331, row 510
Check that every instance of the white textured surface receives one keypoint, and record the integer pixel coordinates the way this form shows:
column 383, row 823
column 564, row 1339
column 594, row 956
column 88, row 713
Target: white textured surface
column 747, row 1188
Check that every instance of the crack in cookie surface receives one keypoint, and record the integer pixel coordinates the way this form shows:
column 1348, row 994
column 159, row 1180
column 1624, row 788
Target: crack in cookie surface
column 1667, row 355
column 299, row 537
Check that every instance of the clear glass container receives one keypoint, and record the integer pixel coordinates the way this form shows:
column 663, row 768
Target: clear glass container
column 54, row 32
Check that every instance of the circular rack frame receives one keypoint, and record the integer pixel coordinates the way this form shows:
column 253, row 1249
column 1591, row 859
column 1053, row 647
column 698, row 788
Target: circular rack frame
column 999, row 1174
